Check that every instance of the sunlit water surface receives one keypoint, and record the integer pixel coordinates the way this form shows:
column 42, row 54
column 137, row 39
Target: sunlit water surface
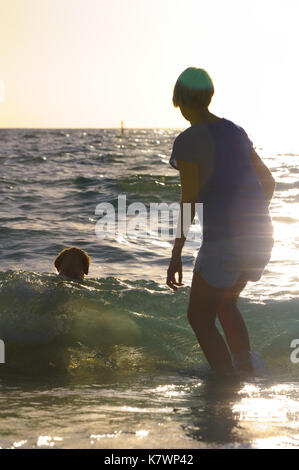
column 113, row 363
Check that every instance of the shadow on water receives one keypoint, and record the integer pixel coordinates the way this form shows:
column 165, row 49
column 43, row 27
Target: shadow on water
column 212, row 420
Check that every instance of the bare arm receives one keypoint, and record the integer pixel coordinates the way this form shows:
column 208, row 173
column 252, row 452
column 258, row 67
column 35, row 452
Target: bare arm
column 264, row 175
column 190, row 184
column 189, row 190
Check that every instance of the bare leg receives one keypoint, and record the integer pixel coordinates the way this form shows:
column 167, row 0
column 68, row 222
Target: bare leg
column 202, row 311
column 233, row 325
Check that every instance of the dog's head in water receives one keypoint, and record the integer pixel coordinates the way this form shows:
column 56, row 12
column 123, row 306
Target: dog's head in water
column 72, row 263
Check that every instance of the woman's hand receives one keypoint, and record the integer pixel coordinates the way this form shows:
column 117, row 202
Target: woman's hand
column 175, row 266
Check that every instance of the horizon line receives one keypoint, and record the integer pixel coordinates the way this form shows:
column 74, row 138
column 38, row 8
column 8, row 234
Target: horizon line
column 23, row 128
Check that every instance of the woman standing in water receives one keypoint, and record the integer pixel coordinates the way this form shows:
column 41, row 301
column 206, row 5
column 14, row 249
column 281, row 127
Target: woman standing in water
column 219, row 167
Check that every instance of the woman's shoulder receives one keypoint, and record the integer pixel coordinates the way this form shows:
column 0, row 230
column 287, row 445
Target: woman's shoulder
column 193, row 133
column 234, row 125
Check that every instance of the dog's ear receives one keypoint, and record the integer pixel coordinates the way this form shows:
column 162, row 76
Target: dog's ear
column 58, row 260
column 85, row 262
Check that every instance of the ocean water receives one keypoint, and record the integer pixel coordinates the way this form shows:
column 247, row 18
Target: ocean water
column 112, row 363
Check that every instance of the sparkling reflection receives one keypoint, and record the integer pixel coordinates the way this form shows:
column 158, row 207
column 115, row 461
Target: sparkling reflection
column 47, row 441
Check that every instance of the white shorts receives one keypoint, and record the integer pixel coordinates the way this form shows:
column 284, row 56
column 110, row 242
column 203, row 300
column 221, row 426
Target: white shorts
column 221, row 263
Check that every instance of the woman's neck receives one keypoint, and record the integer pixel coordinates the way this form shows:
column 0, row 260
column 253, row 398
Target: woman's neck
column 202, row 116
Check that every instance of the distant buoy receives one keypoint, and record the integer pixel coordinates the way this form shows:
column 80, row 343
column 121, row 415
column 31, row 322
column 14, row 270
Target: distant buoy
column 122, row 127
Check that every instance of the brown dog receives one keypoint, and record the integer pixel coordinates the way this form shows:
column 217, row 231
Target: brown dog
column 72, row 264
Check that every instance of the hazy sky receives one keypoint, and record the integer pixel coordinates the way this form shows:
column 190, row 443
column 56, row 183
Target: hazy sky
column 93, row 63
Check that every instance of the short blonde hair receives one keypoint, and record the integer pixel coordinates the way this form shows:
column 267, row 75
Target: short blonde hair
column 194, row 88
